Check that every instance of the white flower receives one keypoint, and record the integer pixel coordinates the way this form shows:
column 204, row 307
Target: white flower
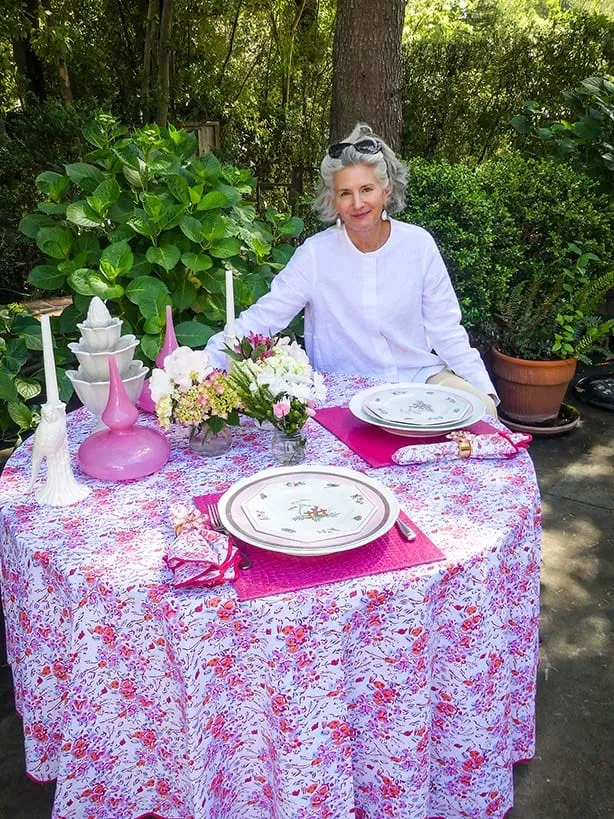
column 159, row 384
column 186, row 367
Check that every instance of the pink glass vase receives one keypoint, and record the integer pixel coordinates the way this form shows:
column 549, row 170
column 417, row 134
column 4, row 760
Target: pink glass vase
column 124, row 451
column 170, row 344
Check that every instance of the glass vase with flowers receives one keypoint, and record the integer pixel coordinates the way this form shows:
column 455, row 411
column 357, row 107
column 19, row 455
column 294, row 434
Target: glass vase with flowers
column 275, row 383
column 190, row 392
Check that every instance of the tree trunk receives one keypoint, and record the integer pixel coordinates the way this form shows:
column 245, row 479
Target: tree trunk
column 367, row 75
column 166, row 23
column 30, row 71
column 146, row 78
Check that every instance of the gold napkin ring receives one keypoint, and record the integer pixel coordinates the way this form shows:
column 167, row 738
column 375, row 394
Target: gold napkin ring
column 464, row 449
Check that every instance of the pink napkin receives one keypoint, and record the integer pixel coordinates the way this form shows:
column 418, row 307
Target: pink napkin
column 461, row 444
column 198, row 556
column 275, row 573
column 374, row 444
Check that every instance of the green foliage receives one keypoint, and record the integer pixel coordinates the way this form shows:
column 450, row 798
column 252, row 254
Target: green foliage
column 549, row 205
column 22, row 373
column 143, row 222
column 467, row 72
column 556, row 319
column 507, row 223
column 472, row 230
column 585, row 138
column 35, row 140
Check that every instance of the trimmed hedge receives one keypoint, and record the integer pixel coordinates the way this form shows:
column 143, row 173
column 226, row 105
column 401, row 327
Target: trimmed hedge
column 500, row 223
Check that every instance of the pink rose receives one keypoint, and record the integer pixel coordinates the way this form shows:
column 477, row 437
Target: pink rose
column 281, row 409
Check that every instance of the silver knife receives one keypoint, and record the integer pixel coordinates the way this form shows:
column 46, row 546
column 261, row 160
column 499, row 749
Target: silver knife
column 406, row 531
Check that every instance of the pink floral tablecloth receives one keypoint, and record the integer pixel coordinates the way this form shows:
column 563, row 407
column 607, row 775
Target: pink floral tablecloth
column 406, row 694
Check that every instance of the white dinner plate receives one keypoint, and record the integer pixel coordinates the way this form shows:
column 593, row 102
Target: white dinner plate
column 478, row 410
column 308, row 510
column 417, row 405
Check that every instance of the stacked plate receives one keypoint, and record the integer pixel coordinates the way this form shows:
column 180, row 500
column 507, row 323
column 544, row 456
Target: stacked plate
column 308, row 510
column 417, row 410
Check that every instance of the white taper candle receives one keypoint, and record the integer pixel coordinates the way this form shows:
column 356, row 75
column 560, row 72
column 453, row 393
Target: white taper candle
column 230, row 305
column 51, row 381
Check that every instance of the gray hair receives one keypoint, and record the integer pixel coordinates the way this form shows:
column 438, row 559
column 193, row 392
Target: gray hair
column 388, row 169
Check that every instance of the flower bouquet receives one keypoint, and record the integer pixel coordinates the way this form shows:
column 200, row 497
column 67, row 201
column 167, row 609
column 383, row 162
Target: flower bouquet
column 275, row 383
column 189, row 391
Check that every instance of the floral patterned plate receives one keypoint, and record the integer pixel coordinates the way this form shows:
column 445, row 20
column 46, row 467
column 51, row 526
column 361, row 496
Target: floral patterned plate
column 478, row 411
column 417, row 405
column 308, row 510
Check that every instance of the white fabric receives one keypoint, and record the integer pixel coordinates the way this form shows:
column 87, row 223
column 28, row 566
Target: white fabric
column 378, row 314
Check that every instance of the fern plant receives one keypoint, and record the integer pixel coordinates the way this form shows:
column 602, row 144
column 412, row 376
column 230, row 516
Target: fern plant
column 542, row 320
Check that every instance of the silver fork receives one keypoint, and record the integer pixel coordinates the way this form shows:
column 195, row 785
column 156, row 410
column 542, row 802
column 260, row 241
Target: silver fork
column 216, row 523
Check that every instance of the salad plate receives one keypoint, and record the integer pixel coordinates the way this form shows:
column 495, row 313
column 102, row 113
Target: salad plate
column 414, row 405
column 477, row 412
column 308, row 510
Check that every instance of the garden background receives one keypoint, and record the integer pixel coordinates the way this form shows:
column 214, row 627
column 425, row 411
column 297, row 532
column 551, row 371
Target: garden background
column 505, row 116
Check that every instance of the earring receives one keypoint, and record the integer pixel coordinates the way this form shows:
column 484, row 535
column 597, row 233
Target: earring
column 384, row 216
column 338, row 222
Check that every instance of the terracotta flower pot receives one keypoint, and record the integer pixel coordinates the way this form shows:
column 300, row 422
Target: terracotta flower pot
column 531, row 391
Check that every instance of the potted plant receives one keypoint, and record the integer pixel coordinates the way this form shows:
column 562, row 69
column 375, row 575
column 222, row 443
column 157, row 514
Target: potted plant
column 541, row 331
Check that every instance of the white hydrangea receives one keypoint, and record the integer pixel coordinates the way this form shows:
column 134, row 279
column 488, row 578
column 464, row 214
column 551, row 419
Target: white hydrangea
column 186, row 367
column 159, row 384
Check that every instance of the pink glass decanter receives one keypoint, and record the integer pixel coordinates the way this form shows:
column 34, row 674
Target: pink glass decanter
column 170, row 344
column 124, row 451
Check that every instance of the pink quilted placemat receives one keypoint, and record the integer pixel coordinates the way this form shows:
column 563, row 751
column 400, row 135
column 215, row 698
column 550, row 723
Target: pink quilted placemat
column 373, row 444
column 274, row 573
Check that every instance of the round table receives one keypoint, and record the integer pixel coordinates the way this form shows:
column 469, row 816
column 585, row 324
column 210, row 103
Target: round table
column 407, row 693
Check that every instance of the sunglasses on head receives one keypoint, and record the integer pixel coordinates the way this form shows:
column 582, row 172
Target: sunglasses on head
column 368, row 145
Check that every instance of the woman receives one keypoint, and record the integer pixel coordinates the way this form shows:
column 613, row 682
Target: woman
column 377, row 297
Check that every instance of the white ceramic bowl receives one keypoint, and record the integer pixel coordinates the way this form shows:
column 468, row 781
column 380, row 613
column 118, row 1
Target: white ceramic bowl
column 95, row 394
column 95, row 366
column 99, row 339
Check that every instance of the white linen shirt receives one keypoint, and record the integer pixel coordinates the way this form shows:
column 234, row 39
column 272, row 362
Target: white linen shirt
column 378, row 314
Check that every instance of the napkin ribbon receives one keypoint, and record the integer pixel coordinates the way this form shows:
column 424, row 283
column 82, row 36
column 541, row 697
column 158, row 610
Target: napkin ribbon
column 463, row 444
column 199, row 556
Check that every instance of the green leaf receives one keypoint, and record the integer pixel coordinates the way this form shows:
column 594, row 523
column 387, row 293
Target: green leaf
column 282, row 254
column 52, row 208
column 183, row 297
column 212, row 200
column 80, row 281
column 179, row 188
column 53, row 185
column 54, row 241
column 192, row 228
column 27, row 387
column 20, row 414
column 85, row 176
column 8, row 391
column 193, row 334
column 149, row 294
column 32, row 223
column 141, row 224
column 80, row 213
column 108, row 191
column 521, row 125
column 233, row 196
column 225, row 248
column 150, row 345
column 46, row 277
column 116, row 260
column 213, row 227
column 153, row 326
column 132, row 177
column 166, row 256
column 291, row 227
column 197, row 262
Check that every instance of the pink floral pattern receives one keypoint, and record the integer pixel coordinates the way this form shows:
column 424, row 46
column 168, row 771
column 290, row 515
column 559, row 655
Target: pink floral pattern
column 408, row 694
